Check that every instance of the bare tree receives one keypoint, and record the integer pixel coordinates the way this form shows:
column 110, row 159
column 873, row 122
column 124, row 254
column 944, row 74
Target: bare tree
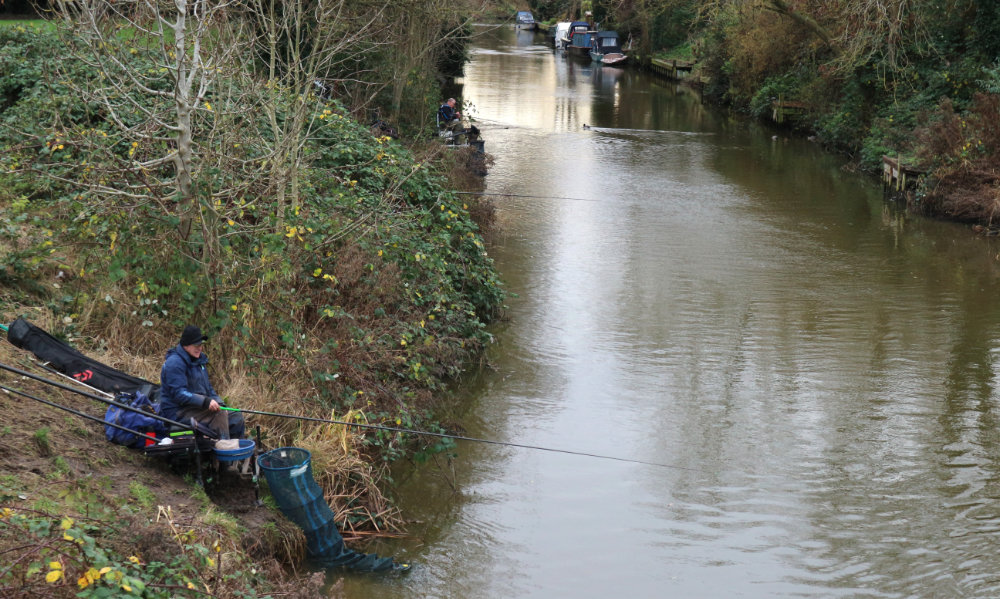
column 304, row 46
column 190, row 43
column 883, row 32
column 803, row 18
column 856, row 32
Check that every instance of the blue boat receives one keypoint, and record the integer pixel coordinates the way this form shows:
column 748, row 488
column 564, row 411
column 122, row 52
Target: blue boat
column 580, row 42
column 525, row 20
column 566, row 40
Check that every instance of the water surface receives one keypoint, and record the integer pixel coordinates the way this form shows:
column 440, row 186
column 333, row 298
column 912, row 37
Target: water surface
column 817, row 369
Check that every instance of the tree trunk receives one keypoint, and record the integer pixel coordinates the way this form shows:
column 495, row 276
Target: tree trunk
column 782, row 8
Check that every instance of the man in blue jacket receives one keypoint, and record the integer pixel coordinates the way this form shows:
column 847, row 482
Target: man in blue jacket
column 185, row 391
column 450, row 119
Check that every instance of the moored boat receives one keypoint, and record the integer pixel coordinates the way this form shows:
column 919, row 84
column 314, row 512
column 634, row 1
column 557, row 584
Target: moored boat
column 566, row 40
column 580, row 43
column 560, row 31
column 525, row 20
column 606, row 48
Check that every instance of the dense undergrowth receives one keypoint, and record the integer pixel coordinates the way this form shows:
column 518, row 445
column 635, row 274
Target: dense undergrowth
column 364, row 299
column 82, row 517
column 376, row 285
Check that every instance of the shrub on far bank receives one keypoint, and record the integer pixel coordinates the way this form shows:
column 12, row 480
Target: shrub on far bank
column 961, row 152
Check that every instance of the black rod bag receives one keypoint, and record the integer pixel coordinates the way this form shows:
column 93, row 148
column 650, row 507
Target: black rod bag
column 70, row 362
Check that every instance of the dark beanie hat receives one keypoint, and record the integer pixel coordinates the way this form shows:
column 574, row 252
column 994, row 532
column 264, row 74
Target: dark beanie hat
column 192, row 335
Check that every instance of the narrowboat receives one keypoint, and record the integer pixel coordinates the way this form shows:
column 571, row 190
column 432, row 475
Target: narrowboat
column 574, row 26
column 580, row 43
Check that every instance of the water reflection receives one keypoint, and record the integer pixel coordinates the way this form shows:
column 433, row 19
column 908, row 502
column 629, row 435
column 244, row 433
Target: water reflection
column 820, row 367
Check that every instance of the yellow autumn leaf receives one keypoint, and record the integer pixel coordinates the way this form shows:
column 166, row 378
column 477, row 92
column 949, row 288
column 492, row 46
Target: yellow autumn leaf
column 83, row 582
column 66, row 524
column 53, row 576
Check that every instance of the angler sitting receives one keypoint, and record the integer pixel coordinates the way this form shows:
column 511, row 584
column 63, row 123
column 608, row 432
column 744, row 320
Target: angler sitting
column 450, row 119
column 186, row 392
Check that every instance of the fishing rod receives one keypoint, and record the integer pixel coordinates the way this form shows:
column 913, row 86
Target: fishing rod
column 112, row 402
column 77, row 412
column 461, row 438
column 364, row 426
column 48, row 368
column 516, row 195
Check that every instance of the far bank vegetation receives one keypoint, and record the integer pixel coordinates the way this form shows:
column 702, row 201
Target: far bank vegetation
column 916, row 80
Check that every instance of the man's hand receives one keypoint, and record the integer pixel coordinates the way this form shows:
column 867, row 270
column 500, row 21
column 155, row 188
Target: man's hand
column 213, row 406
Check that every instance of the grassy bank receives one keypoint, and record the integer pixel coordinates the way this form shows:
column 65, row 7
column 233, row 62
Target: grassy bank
column 343, row 278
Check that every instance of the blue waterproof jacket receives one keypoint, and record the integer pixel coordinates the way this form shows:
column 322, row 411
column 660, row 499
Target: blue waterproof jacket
column 446, row 114
column 184, row 382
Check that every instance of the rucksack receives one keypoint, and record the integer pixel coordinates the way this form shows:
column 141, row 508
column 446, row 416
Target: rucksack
column 137, row 421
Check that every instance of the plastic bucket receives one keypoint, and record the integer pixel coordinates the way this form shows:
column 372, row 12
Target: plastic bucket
column 244, row 451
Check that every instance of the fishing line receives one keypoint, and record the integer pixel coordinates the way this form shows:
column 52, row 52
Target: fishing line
column 360, row 425
column 479, row 119
column 357, row 425
column 463, row 438
column 516, row 195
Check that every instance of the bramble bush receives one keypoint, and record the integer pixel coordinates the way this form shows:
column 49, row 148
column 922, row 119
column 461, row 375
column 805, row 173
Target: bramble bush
column 961, row 149
column 375, row 286
column 61, row 556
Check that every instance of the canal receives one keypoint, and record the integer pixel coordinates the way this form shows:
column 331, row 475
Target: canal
column 814, row 371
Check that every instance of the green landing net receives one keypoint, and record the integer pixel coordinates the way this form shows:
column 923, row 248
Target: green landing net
column 289, row 475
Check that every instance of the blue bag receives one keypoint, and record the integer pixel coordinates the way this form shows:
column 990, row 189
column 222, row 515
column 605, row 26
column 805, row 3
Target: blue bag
column 136, row 421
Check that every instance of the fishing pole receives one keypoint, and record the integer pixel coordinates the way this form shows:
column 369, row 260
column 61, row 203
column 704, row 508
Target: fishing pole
column 517, row 195
column 363, row 426
column 112, row 402
column 72, row 411
column 48, row 368
column 462, row 438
